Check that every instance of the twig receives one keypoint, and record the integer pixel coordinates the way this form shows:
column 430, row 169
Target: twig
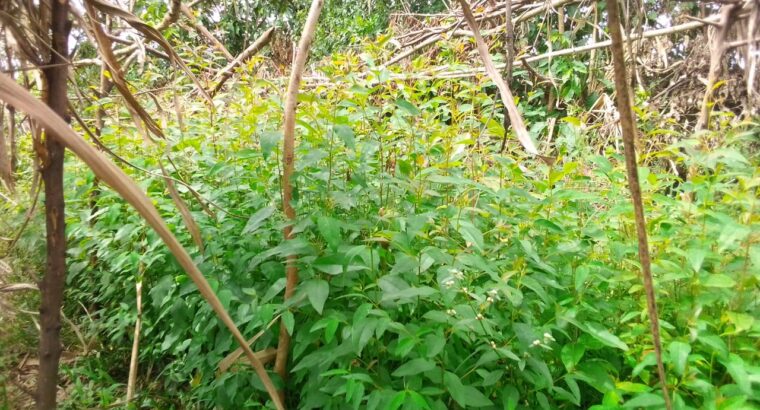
column 628, row 124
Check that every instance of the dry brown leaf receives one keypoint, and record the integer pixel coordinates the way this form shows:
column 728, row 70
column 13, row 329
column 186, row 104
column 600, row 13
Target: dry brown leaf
column 151, row 34
column 143, row 120
column 22, row 100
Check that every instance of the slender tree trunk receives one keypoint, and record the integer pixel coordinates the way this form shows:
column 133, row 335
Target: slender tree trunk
column 52, row 284
column 628, row 124
column 289, row 124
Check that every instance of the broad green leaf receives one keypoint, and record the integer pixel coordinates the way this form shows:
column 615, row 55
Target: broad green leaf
column 679, row 353
column 571, row 355
column 269, row 140
column 414, row 366
column 407, row 107
column 317, row 291
column 346, row 134
column 736, row 368
column 719, row 280
column 471, row 235
column 604, row 336
column 645, row 400
column 630, row 387
column 466, row 396
column 289, row 321
column 257, row 219
column 330, row 230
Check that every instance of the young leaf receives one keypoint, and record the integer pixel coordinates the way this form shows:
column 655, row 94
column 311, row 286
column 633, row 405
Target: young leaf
column 679, row 352
column 330, row 231
column 257, row 219
column 317, row 291
column 414, row 366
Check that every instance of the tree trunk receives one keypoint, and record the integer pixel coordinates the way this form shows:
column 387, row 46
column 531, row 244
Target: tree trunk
column 51, row 286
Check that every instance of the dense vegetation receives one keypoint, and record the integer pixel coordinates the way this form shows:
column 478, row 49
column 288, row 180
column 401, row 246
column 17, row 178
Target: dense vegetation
column 439, row 267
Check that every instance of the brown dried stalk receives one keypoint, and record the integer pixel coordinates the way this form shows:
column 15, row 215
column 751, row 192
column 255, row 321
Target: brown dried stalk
column 628, row 124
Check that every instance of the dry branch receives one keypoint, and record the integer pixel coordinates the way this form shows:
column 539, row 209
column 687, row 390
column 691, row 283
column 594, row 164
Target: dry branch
column 203, row 31
column 717, row 50
column 20, row 98
column 249, row 52
column 628, row 124
column 506, row 95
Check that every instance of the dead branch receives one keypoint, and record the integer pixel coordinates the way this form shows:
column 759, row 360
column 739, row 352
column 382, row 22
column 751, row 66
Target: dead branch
column 717, row 50
column 203, row 31
column 249, row 52
column 506, row 95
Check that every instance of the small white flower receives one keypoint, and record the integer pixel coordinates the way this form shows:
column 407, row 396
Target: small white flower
column 465, row 290
column 493, row 292
column 449, row 283
column 493, row 344
column 490, row 299
column 452, row 312
column 548, row 336
column 479, row 316
column 536, row 343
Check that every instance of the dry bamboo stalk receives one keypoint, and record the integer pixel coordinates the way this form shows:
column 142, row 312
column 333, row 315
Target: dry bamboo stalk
column 132, row 379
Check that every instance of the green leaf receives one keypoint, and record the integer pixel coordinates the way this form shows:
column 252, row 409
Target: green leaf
column 719, row 280
column 330, row 230
column 269, row 140
column 630, row 387
column 397, row 401
column 645, row 400
column 257, row 219
column 346, row 134
column 695, row 257
column 289, row 321
column 571, row 355
column 466, row 396
column 604, row 336
column 414, row 366
column 737, row 370
column 679, row 353
column 317, row 291
column 471, row 234
column 408, row 107
column 435, row 342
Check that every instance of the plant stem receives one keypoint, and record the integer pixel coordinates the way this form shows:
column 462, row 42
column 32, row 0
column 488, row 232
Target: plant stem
column 628, row 124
